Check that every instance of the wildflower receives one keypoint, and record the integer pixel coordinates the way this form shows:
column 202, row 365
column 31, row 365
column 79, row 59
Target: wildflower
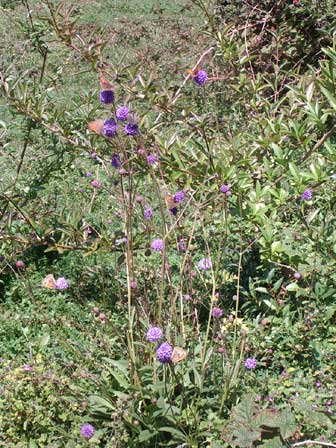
column 157, row 245
column 89, row 230
column 87, row 431
column 110, row 128
column 186, row 297
column 225, row 189
column 148, row 212
column 201, row 78
column 20, row 264
column 307, row 195
column 95, row 183
column 27, row 368
column 250, row 363
column 154, row 334
column 115, row 161
column 173, row 211
column 131, row 129
column 179, row 197
column 122, row 171
column 121, row 241
column 62, row 283
column 217, row 312
column 94, row 155
column 204, row 264
column 297, row 275
column 88, row 174
column 151, row 159
column 164, row 352
column 106, row 96
column 138, row 199
column 182, row 246
column 122, row 113
column 102, row 317
column 134, row 284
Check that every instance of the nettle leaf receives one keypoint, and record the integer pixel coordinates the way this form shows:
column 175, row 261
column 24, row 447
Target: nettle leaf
column 245, row 438
column 273, row 443
column 287, row 425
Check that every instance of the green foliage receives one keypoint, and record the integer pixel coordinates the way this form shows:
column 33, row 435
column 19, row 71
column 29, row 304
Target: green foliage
column 248, row 424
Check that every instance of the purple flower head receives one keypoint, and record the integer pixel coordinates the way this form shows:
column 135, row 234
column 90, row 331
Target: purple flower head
column 95, row 183
column 173, row 211
column 20, row 264
column 201, row 78
column 94, row 155
column 89, row 230
column 131, row 129
column 134, row 284
column 148, row 212
column 225, row 189
column 138, row 199
column 106, row 96
column 204, row 264
column 115, row 161
column 157, row 245
column 87, row 431
column 27, row 368
column 154, row 334
column 164, row 352
column 250, row 363
column 307, row 195
column 182, row 246
column 151, row 159
column 217, row 312
column 122, row 113
column 186, row 297
column 62, row 283
column 297, row 275
column 179, row 197
column 88, row 174
column 110, row 128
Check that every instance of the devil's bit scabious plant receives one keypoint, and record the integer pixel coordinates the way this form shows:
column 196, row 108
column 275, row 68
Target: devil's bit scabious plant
column 204, row 264
column 157, row 245
column 122, row 113
column 217, row 312
column 179, row 197
column 250, row 363
column 106, row 97
column 148, row 212
column 115, row 161
column 62, row 283
column 164, row 352
column 307, row 195
column 201, row 78
column 110, row 128
column 154, row 334
column 87, row 431
column 131, row 129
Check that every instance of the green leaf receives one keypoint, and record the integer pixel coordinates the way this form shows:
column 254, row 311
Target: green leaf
column 44, row 341
column 178, row 434
column 329, row 96
column 146, row 435
column 273, row 443
column 287, row 425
